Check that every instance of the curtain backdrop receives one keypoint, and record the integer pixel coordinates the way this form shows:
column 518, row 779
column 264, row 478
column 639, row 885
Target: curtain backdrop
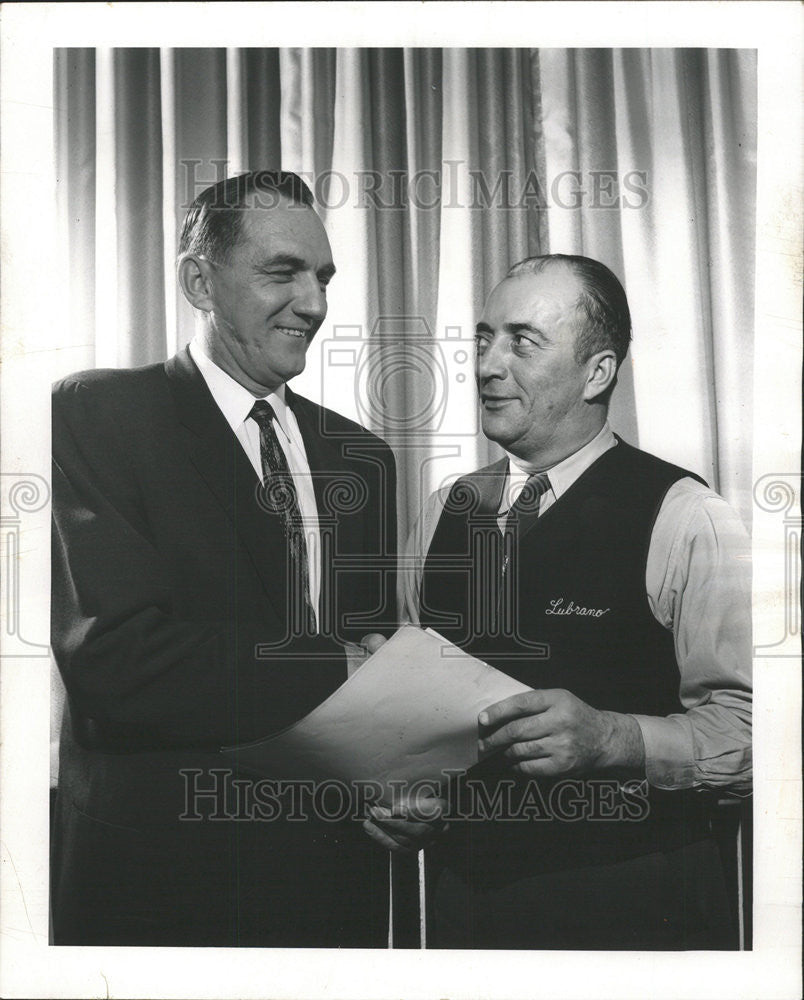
column 435, row 169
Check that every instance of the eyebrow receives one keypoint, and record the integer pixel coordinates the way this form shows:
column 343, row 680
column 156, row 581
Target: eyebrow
column 295, row 263
column 512, row 329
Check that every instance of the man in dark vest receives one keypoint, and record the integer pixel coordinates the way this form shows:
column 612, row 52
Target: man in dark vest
column 617, row 587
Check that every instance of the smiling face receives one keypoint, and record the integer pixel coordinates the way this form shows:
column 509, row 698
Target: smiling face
column 266, row 305
column 535, row 397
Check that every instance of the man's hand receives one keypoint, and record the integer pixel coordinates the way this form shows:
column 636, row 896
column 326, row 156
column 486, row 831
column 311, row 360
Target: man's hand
column 373, row 641
column 548, row 733
column 356, row 655
column 407, row 828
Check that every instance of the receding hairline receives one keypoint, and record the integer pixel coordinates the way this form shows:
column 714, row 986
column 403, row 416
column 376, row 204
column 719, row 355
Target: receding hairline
column 213, row 223
column 549, row 267
column 284, row 203
column 576, row 310
column 280, row 201
column 602, row 302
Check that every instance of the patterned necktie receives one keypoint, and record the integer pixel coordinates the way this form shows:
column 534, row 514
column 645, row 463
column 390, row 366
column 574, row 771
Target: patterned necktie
column 529, row 498
column 280, row 497
column 526, row 503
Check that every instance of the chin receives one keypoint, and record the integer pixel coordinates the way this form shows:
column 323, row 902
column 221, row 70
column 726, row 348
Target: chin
column 495, row 432
column 291, row 374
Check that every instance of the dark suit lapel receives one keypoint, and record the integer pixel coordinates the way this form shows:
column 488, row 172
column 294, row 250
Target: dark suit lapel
column 341, row 534
column 324, row 452
column 224, row 466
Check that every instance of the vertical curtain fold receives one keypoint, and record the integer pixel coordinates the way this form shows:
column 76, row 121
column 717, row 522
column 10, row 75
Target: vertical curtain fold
column 264, row 104
column 386, row 155
column 534, row 195
column 392, row 319
column 670, row 334
column 106, row 300
column 423, row 121
column 731, row 140
column 170, row 213
column 138, row 169
column 308, row 116
column 74, row 127
column 237, row 111
column 457, row 446
column 423, row 128
column 200, row 148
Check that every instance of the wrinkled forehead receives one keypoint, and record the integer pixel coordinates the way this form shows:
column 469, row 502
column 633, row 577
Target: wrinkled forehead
column 272, row 222
column 548, row 296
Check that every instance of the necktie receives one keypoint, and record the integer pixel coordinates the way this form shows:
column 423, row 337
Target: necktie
column 529, row 498
column 526, row 503
column 281, row 497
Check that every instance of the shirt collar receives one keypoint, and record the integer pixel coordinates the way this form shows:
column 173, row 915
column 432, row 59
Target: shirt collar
column 233, row 399
column 564, row 474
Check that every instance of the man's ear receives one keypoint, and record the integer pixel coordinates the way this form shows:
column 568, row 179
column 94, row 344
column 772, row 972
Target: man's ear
column 195, row 278
column 601, row 374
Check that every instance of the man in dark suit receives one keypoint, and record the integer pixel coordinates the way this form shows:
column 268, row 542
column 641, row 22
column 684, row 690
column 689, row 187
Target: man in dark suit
column 617, row 587
column 220, row 547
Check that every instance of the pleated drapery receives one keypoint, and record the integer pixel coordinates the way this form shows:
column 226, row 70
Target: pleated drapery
column 435, row 169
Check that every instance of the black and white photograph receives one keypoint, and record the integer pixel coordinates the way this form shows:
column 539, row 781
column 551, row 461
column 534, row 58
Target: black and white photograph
column 401, row 488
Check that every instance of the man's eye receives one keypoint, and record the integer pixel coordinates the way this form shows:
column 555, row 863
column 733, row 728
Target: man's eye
column 519, row 340
column 481, row 343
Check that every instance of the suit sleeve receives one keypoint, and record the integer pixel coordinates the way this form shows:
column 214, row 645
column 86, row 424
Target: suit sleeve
column 415, row 556
column 138, row 676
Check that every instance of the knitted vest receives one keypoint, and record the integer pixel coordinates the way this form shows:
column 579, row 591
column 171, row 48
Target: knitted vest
column 570, row 611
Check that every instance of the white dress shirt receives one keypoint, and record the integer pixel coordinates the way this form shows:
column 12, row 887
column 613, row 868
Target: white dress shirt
column 698, row 584
column 235, row 403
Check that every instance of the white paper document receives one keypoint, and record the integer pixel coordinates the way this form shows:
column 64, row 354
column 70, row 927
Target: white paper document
column 407, row 715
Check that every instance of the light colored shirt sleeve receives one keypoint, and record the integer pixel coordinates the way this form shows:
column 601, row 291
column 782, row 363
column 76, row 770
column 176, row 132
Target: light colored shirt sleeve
column 698, row 582
column 698, row 585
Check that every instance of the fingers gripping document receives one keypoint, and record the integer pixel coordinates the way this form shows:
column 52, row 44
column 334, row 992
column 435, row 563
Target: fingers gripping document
column 407, row 716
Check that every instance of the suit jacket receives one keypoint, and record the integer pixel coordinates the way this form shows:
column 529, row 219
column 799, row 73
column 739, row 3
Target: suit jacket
column 170, row 629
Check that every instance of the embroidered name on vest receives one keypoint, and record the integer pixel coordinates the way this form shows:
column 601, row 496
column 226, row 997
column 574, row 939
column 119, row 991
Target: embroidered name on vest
column 557, row 608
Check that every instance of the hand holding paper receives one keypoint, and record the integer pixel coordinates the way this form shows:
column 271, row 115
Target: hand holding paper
column 407, row 716
column 409, row 827
column 551, row 732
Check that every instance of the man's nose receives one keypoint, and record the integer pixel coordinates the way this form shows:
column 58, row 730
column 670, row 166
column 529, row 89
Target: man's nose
column 491, row 363
column 310, row 300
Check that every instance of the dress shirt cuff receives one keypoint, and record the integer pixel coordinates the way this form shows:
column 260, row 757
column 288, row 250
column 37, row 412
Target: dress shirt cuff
column 669, row 751
column 356, row 656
